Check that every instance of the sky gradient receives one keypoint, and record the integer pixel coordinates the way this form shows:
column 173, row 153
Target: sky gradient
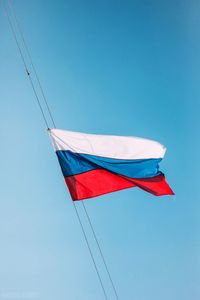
column 107, row 67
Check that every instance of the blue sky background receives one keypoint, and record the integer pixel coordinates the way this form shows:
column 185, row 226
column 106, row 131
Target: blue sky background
column 107, row 67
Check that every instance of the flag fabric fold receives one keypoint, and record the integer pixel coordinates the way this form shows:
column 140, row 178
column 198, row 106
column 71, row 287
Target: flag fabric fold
column 93, row 165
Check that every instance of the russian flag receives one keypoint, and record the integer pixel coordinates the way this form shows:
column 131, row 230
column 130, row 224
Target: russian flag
column 94, row 165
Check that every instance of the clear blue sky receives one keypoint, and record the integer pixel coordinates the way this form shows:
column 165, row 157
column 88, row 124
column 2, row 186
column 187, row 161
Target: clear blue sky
column 107, row 67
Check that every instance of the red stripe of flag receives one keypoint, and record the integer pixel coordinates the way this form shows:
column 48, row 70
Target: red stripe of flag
column 98, row 182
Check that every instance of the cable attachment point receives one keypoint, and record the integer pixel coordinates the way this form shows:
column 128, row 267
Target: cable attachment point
column 27, row 72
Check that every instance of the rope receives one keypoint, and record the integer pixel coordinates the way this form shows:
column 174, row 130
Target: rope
column 24, row 63
column 47, row 125
column 100, row 250
column 31, row 60
column 89, row 248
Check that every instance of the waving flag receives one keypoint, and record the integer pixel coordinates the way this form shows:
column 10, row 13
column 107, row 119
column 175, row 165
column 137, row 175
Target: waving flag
column 94, row 165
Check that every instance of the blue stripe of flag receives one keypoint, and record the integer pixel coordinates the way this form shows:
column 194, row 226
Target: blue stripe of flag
column 76, row 163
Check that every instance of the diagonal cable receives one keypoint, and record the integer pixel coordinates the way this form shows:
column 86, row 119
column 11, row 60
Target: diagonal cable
column 24, row 63
column 100, row 251
column 18, row 26
column 90, row 251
